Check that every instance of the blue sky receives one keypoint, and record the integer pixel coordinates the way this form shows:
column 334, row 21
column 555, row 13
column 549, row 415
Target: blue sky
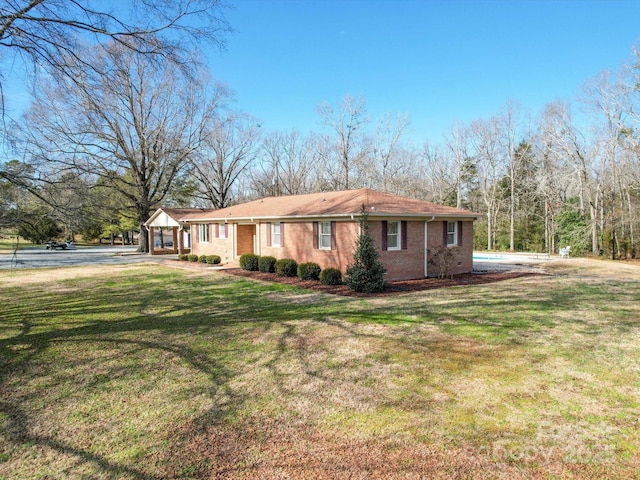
column 437, row 61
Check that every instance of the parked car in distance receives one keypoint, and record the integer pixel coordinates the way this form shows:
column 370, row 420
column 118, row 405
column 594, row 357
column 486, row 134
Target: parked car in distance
column 60, row 245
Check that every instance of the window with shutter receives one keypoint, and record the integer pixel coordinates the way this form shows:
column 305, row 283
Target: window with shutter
column 393, row 236
column 452, row 233
column 324, row 232
column 276, row 234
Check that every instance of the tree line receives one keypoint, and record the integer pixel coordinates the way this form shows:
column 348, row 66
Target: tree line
column 137, row 122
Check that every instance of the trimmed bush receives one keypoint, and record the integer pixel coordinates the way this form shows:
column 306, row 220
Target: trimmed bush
column 249, row 261
column 183, row 257
column 331, row 276
column 213, row 259
column 267, row 264
column 308, row 271
column 286, row 267
column 192, row 257
column 202, row 259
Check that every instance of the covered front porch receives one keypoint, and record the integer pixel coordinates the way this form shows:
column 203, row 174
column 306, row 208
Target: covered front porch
column 167, row 235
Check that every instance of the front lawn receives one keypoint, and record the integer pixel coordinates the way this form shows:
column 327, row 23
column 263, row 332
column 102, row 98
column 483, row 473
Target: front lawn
column 146, row 371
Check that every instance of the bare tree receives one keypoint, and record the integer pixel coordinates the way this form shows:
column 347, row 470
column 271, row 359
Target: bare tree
column 461, row 163
column 387, row 152
column 229, row 149
column 491, row 167
column 289, row 166
column 134, row 129
column 437, row 176
column 52, row 34
column 347, row 122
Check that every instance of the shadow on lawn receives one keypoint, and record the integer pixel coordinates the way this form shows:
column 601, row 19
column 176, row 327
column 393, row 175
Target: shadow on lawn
column 225, row 312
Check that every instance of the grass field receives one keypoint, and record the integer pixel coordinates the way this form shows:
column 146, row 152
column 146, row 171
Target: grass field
column 147, row 371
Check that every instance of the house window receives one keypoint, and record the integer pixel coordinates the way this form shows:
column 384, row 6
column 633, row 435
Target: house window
column 393, row 236
column 452, row 233
column 203, row 232
column 223, row 230
column 276, row 229
column 324, row 238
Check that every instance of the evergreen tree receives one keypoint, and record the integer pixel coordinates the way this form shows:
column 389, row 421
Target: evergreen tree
column 366, row 275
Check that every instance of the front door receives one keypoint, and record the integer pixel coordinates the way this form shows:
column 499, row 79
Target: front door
column 245, row 239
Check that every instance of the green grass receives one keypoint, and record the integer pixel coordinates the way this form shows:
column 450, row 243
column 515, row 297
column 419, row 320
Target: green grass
column 152, row 372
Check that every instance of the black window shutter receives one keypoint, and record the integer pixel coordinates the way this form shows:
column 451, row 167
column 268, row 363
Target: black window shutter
column 403, row 234
column 333, row 235
column 460, row 233
column 316, row 238
column 444, row 233
column 384, row 235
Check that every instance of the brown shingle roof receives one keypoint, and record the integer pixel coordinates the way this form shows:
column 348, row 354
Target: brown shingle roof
column 330, row 204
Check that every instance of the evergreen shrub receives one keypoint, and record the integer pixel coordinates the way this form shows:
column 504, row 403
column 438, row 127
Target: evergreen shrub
column 249, row 261
column 331, row 276
column 286, row 267
column 308, row 271
column 213, row 259
column 267, row 264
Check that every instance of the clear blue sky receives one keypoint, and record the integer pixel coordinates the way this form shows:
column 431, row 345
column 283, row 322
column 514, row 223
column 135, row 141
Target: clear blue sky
column 438, row 61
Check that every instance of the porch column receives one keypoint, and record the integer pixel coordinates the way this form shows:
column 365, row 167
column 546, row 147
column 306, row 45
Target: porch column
column 175, row 239
column 152, row 245
column 180, row 240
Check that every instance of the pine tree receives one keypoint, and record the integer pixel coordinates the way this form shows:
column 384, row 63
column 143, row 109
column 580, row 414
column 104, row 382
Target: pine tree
column 366, row 275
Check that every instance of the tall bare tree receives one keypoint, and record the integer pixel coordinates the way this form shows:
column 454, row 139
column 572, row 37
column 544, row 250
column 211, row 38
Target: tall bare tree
column 134, row 128
column 289, row 165
column 491, row 166
column 229, row 149
column 347, row 123
column 52, row 34
column 388, row 151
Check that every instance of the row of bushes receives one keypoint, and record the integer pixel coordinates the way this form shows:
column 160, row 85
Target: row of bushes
column 192, row 257
column 287, row 267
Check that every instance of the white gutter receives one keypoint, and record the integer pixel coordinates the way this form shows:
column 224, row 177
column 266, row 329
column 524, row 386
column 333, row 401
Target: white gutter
column 426, row 247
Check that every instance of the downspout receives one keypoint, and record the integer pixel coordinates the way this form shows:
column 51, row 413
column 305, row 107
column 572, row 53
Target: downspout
column 426, row 247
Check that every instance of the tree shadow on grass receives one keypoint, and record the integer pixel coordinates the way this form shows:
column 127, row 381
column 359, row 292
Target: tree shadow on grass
column 209, row 325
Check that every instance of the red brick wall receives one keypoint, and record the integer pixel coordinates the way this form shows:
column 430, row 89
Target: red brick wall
column 435, row 234
column 402, row 264
column 216, row 246
column 298, row 243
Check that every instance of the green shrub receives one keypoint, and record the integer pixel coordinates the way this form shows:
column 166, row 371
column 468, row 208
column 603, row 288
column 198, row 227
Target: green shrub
column 183, row 257
column 249, row 261
column 331, row 276
column 202, row 259
column 267, row 264
column 286, row 267
column 366, row 274
column 192, row 257
column 308, row 271
column 213, row 259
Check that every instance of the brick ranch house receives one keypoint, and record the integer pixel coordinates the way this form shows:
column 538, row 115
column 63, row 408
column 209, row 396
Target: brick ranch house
column 323, row 228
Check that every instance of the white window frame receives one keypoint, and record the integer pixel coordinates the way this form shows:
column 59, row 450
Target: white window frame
column 203, row 232
column 452, row 234
column 222, row 230
column 276, row 232
column 324, row 235
column 397, row 235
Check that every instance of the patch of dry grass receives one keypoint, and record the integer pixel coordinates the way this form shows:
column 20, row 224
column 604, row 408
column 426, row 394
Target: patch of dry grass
column 170, row 373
